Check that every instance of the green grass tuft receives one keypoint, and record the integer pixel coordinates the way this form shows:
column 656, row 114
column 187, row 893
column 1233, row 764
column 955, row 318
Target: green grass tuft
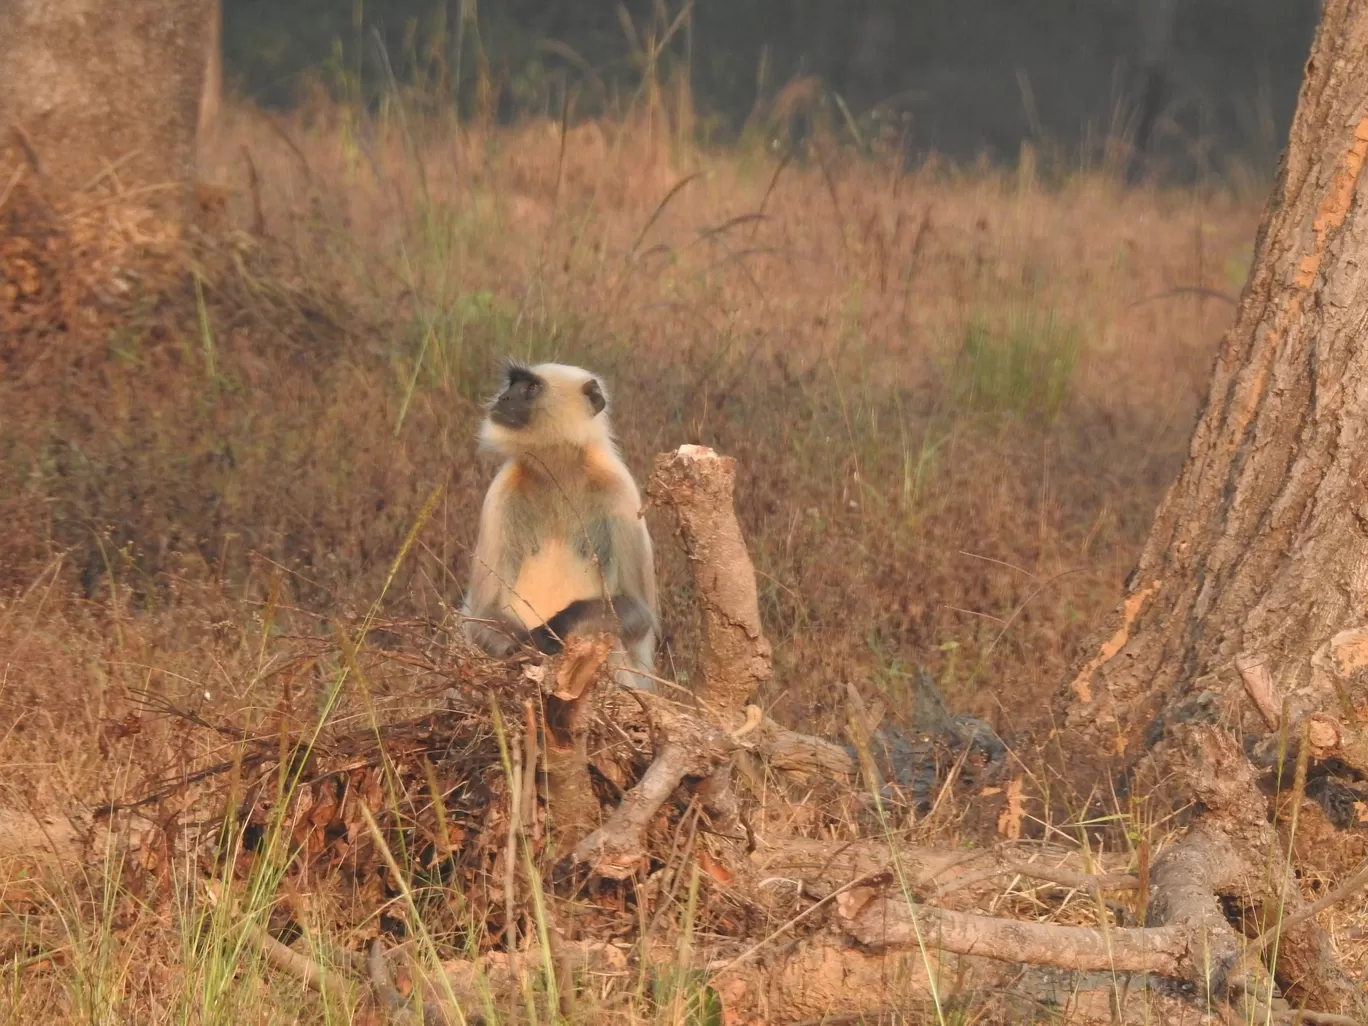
column 1023, row 364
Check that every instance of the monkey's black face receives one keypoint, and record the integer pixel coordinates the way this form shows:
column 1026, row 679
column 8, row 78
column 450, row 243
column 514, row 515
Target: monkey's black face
column 518, row 401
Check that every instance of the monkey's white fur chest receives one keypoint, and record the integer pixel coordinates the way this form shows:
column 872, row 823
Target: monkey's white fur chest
column 551, row 579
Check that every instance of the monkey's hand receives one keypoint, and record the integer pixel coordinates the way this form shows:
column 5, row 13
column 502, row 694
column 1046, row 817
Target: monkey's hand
column 498, row 639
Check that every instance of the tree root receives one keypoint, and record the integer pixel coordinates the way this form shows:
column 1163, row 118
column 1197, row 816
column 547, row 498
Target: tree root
column 890, row 923
column 1236, row 827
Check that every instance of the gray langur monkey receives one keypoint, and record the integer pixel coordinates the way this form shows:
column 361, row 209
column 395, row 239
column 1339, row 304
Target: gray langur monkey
column 562, row 547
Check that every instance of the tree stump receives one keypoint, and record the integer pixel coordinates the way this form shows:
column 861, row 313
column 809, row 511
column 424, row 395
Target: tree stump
column 697, row 484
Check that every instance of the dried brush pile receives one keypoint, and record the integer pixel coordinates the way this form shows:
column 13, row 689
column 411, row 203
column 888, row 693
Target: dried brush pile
column 369, row 812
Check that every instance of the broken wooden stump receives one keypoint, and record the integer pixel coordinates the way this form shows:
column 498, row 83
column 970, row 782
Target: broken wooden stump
column 697, row 484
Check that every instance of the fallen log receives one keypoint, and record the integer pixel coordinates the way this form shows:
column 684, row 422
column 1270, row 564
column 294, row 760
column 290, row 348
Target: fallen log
column 890, row 922
column 942, row 875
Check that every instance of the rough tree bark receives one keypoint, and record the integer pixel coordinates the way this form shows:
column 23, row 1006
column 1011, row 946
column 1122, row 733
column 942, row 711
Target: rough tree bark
column 698, row 483
column 1260, row 549
column 1248, row 608
column 103, row 93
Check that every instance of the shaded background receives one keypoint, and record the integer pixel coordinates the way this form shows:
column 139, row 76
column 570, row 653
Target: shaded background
column 965, row 78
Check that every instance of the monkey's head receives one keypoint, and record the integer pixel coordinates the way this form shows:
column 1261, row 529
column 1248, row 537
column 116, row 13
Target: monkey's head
column 546, row 405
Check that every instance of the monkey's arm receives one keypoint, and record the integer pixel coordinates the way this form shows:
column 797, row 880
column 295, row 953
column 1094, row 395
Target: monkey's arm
column 636, row 565
column 484, row 599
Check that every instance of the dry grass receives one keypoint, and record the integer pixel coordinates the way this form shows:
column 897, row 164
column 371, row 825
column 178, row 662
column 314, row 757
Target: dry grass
column 919, row 373
column 953, row 397
column 915, row 371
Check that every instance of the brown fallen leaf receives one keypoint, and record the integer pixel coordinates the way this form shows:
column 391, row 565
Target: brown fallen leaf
column 713, row 868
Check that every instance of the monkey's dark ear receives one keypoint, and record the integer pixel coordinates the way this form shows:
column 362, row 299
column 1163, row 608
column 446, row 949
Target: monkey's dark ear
column 594, row 391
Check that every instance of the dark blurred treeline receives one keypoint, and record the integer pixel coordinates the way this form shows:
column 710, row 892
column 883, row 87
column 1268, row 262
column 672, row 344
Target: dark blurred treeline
column 1202, row 83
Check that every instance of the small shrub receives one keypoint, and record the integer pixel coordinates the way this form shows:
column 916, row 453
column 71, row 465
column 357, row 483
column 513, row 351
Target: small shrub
column 1023, row 367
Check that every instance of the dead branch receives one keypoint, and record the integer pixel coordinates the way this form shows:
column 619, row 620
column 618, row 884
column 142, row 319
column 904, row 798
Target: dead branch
column 1079, row 881
column 569, row 792
column 1191, row 940
column 821, row 980
column 719, row 798
column 859, row 726
column 381, row 980
column 510, row 855
column 398, row 1011
column 685, row 747
column 941, row 875
column 698, row 484
column 312, row 974
column 802, row 755
column 1341, row 893
column 528, row 798
column 881, row 922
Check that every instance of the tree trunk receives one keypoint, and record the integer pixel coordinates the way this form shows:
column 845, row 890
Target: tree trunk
column 698, row 484
column 1248, row 610
column 102, row 95
column 1258, row 557
column 1257, row 564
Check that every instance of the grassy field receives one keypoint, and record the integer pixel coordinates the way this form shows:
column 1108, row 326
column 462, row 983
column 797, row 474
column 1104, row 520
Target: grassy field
column 955, row 397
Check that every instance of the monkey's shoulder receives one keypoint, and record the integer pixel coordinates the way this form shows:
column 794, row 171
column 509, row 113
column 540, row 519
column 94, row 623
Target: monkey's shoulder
column 593, row 470
column 604, row 468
